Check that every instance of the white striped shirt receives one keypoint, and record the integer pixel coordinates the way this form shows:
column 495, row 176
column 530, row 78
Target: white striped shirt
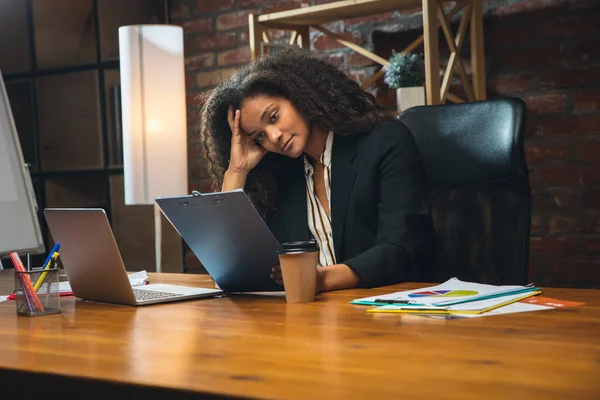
column 318, row 221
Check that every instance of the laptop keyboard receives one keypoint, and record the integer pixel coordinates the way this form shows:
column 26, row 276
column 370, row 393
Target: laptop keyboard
column 144, row 295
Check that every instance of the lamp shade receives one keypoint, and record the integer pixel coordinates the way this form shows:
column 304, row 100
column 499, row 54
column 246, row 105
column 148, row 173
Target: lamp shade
column 153, row 112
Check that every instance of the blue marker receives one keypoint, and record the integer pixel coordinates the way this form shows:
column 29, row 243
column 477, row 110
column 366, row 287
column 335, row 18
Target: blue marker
column 54, row 249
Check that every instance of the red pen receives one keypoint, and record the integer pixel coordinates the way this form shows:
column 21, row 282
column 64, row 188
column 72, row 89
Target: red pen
column 30, row 294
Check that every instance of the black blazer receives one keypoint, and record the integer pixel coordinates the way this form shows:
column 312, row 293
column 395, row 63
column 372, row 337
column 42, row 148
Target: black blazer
column 380, row 207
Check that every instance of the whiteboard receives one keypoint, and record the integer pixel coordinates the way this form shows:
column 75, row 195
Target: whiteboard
column 19, row 225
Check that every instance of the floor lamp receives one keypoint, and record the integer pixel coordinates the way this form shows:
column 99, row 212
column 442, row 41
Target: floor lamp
column 154, row 117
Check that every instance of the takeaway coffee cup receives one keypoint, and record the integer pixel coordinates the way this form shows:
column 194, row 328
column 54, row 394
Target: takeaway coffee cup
column 298, row 261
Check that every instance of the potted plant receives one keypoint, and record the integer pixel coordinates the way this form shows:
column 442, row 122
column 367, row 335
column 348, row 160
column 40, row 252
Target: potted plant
column 406, row 74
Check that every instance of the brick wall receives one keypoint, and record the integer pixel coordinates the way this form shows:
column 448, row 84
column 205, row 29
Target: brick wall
column 544, row 51
column 556, row 70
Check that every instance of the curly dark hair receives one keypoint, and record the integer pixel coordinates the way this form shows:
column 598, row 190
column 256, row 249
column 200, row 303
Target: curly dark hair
column 325, row 96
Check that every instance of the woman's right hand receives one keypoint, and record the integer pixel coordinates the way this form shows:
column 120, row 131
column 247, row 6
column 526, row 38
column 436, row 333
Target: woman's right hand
column 245, row 152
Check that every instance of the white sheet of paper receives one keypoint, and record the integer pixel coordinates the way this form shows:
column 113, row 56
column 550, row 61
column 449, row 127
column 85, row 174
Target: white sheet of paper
column 64, row 287
column 138, row 278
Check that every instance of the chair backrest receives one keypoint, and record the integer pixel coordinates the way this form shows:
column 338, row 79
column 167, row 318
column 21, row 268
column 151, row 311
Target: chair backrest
column 481, row 197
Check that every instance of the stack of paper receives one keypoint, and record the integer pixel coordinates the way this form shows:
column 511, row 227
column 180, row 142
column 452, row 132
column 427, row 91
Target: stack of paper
column 451, row 297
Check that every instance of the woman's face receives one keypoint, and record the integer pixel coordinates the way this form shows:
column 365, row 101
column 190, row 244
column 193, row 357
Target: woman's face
column 275, row 124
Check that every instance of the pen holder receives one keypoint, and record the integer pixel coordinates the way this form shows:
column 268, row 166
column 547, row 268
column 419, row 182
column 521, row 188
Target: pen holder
column 37, row 292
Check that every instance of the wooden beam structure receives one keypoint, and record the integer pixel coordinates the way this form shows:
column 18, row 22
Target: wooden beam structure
column 435, row 15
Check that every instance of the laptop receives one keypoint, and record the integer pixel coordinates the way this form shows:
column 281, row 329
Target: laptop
column 228, row 236
column 94, row 266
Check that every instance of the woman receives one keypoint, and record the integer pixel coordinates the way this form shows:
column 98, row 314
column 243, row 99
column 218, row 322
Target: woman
column 321, row 159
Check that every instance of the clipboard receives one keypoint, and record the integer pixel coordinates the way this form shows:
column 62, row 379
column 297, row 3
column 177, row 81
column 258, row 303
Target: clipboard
column 229, row 237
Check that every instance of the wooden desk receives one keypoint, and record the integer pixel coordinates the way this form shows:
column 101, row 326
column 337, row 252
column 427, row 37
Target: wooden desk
column 261, row 347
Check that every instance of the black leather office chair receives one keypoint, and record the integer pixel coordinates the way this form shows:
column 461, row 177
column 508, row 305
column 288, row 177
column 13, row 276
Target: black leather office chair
column 481, row 197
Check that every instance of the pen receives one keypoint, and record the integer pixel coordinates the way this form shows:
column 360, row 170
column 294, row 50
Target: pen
column 41, row 278
column 54, row 250
column 27, row 285
column 26, row 295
